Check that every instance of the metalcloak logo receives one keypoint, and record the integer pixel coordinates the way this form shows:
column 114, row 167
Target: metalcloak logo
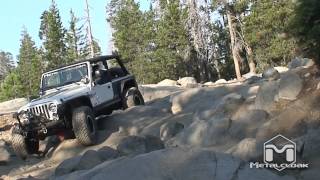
column 279, row 153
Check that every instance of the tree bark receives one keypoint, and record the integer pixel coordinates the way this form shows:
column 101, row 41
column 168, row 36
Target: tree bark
column 90, row 36
column 252, row 64
column 194, row 22
column 216, row 67
column 232, row 33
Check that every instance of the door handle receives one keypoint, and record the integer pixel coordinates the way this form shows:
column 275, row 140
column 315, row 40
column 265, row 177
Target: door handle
column 109, row 87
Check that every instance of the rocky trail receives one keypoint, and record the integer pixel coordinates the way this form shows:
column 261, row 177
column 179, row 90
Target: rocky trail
column 191, row 131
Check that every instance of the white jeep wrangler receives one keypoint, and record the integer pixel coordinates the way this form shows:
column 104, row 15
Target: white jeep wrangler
column 70, row 99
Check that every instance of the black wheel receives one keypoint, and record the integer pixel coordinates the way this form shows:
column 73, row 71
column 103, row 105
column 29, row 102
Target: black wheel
column 23, row 146
column 132, row 97
column 84, row 125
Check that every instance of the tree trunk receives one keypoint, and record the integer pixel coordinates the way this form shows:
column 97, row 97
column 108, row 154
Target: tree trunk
column 216, row 67
column 232, row 33
column 195, row 25
column 89, row 30
column 252, row 64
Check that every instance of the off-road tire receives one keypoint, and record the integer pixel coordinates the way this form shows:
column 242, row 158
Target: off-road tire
column 132, row 97
column 23, row 146
column 84, row 125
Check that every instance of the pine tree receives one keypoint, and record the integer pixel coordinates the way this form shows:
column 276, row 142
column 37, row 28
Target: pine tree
column 305, row 27
column 125, row 19
column 11, row 87
column 75, row 39
column 266, row 31
column 134, row 37
column 165, row 42
column 143, row 66
column 86, row 50
column 6, row 64
column 154, row 43
column 78, row 45
column 30, row 68
column 171, row 40
column 52, row 34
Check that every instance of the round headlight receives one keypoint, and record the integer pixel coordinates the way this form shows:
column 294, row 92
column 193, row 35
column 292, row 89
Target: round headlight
column 23, row 116
column 53, row 107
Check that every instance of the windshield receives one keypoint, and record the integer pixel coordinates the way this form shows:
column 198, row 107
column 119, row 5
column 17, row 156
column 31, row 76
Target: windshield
column 64, row 76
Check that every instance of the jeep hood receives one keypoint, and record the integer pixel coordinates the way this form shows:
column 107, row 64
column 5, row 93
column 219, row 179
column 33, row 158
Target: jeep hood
column 64, row 94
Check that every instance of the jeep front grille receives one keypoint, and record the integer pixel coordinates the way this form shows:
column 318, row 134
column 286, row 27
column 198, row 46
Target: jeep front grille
column 40, row 110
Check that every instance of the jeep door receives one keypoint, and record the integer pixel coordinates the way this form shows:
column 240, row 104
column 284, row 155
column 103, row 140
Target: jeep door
column 117, row 74
column 102, row 90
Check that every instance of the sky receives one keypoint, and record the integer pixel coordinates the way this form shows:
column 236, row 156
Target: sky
column 16, row 14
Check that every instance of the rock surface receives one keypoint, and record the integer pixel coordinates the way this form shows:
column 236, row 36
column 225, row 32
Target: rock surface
column 281, row 69
column 245, row 123
column 267, row 95
column 196, row 99
column 134, row 145
column 187, row 81
column 12, row 106
column 88, row 160
column 298, row 62
column 171, row 164
column 154, row 92
column 167, row 82
column 311, row 143
column 221, row 81
column 4, row 155
column 169, row 130
column 246, row 149
column 253, row 79
column 199, row 133
column 290, row 86
column 249, row 75
column 203, row 133
column 271, row 74
column 210, row 83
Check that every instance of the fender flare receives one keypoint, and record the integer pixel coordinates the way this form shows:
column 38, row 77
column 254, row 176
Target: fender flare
column 128, row 83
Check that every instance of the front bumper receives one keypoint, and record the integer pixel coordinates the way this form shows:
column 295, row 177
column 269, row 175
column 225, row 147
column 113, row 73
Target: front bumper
column 39, row 125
